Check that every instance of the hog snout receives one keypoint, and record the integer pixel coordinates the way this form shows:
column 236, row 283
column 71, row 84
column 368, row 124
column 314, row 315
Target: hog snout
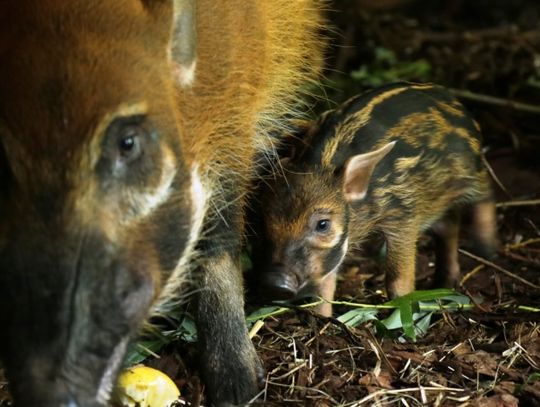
column 71, row 316
column 280, row 284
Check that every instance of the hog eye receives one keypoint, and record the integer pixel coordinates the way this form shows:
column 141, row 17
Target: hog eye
column 323, row 226
column 130, row 150
column 129, row 143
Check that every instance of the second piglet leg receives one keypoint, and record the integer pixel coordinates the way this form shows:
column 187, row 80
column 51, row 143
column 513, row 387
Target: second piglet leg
column 446, row 234
column 484, row 228
column 327, row 288
column 400, row 267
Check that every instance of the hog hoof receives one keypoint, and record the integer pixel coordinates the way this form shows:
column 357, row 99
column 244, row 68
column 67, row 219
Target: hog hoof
column 233, row 379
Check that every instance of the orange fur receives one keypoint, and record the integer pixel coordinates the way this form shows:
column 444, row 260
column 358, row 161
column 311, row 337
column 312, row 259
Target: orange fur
column 77, row 80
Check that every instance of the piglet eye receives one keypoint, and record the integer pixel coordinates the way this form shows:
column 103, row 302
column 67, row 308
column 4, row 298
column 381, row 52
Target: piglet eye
column 323, row 226
column 129, row 142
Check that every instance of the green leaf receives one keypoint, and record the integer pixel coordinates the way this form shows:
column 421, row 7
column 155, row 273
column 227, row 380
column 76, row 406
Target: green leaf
column 386, row 68
column 406, row 314
column 187, row 330
column 428, row 295
column 263, row 313
column 533, row 378
column 245, row 261
column 393, row 321
column 382, row 330
column 409, row 308
column 358, row 316
column 141, row 350
column 422, row 323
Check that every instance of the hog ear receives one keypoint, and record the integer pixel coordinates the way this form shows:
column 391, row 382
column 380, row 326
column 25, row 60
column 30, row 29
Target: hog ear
column 285, row 161
column 183, row 49
column 358, row 172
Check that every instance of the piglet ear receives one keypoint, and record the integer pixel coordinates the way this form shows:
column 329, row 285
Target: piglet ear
column 358, row 172
column 294, row 141
column 183, row 49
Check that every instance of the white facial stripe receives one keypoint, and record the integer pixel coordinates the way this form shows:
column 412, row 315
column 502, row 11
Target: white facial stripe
column 148, row 201
column 321, row 243
column 344, row 250
column 107, row 380
column 335, row 240
column 199, row 199
column 199, row 202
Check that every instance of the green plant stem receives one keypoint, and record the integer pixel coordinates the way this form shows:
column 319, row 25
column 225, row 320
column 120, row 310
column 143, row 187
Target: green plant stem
column 422, row 307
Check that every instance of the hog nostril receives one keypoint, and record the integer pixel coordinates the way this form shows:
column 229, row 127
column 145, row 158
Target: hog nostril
column 279, row 286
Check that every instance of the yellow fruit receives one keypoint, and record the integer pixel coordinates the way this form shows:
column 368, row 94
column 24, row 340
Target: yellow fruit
column 142, row 386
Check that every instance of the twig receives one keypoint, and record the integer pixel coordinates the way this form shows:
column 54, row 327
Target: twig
column 494, row 176
column 499, row 268
column 529, row 202
column 381, row 353
column 492, row 100
column 475, row 302
column 290, row 372
column 401, row 391
column 150, row 352
column 471, row 273
column 256, row 328
column 523, row 259
column 522, row 244
column 359, row 305
column 306, row 389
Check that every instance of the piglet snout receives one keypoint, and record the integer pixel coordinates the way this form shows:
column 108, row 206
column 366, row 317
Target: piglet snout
column 279, row 285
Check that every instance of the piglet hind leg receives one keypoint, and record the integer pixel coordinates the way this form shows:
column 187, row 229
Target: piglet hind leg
column 400, row 265
column 231, row 368
column 484, row 228
column 445, row 236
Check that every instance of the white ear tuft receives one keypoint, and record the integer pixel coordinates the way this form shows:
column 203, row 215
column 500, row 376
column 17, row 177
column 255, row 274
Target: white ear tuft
column 183, row 49
column 185, row 75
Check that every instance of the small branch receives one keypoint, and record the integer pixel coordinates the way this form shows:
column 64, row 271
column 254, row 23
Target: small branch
column 386, row 392
column 528, row 202
column 518, row 257
column 522, row 244
column 359, row 305
column 256, row 328
column 499, row 268
column 470, row 274
column 494, row 176
column 492, row 100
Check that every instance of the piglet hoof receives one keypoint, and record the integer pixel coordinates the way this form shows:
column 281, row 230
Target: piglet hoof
column 486, row 250
column 234, row 378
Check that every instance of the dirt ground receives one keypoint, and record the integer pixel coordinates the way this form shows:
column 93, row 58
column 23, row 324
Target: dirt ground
column 490, row 355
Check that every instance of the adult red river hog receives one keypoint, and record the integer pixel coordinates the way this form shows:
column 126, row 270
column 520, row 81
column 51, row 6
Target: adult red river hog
column 129, row 134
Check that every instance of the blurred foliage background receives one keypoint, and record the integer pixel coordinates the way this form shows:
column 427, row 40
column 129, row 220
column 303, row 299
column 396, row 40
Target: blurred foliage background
column 490, row 48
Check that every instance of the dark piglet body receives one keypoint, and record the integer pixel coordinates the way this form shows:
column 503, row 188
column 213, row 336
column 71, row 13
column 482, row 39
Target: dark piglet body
column 397, row 160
